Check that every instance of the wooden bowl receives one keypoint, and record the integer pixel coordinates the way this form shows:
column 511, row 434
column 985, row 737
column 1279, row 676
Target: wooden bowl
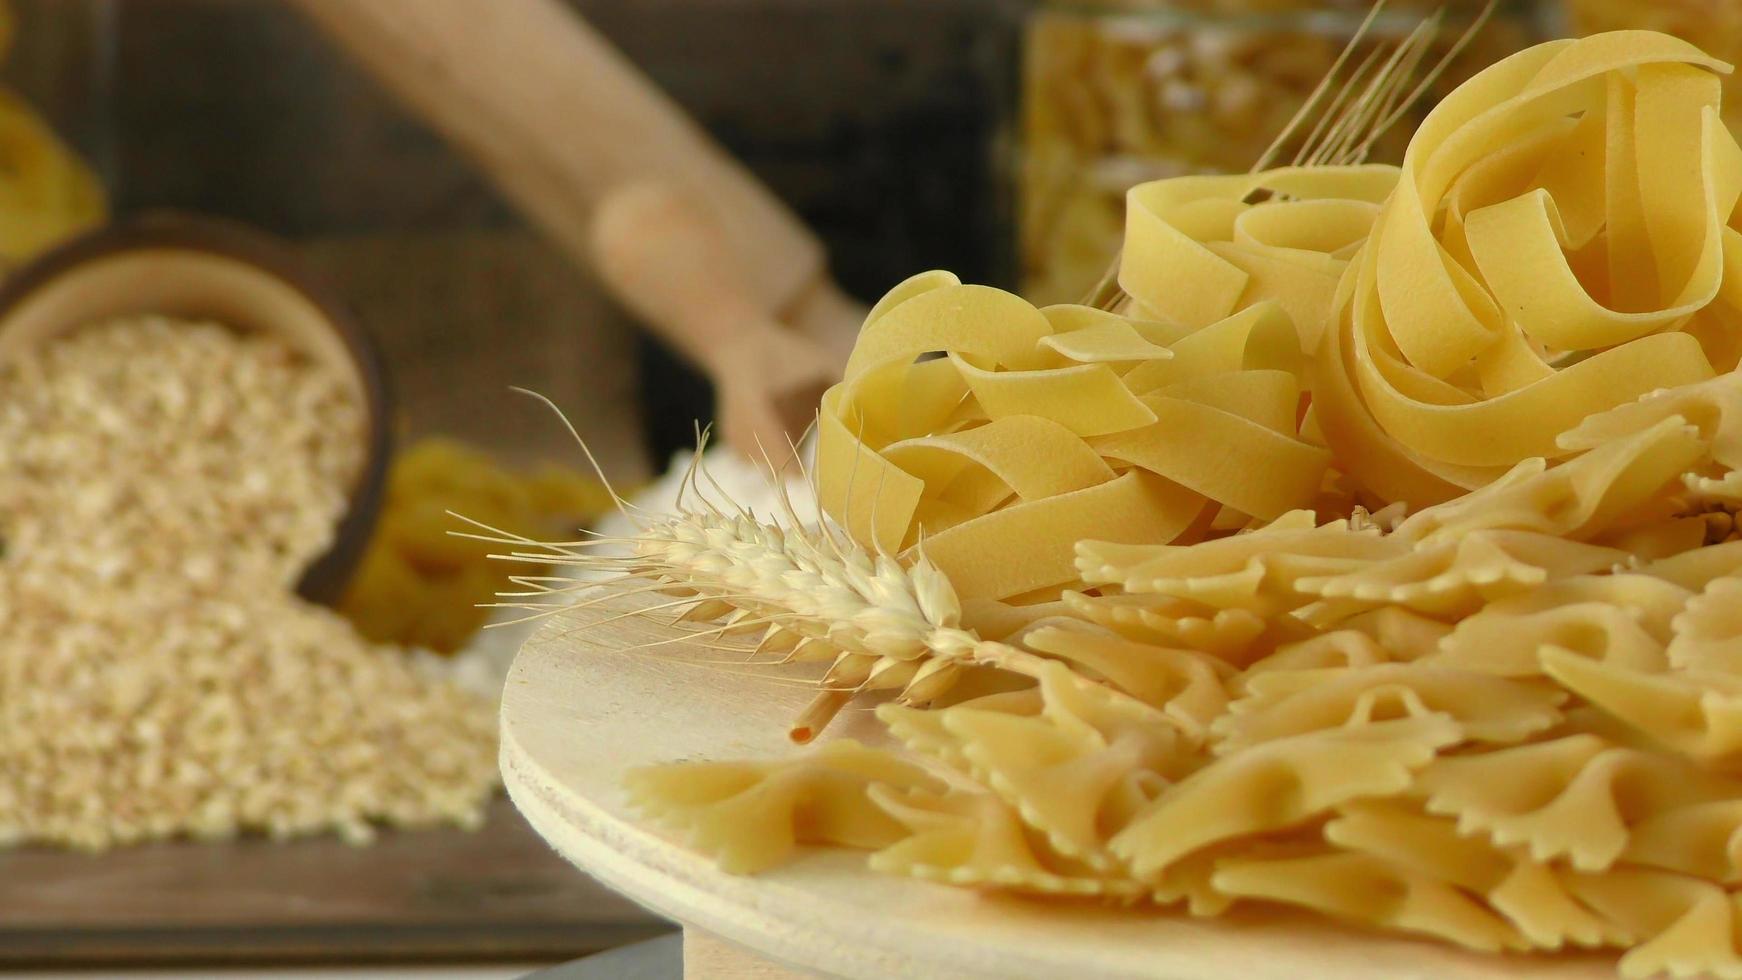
column 196, row 267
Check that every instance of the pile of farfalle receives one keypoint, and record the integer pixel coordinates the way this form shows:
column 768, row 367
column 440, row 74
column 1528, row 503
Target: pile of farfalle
column 1374, row 556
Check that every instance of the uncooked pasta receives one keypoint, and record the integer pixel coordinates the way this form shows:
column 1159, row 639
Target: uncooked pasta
column 1375, row 556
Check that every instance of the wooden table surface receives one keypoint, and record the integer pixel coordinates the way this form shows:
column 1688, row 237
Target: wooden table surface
column 495, row 894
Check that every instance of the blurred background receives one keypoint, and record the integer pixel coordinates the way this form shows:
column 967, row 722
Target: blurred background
column 994, row 138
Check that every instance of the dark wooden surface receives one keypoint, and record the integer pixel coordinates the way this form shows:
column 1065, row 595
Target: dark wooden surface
column 498, row 893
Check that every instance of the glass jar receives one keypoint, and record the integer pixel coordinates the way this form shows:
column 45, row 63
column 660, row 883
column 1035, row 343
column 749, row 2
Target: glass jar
column 1117, row 94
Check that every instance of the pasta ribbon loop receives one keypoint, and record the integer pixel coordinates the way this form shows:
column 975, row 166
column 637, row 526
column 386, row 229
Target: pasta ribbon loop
column 1560, row 243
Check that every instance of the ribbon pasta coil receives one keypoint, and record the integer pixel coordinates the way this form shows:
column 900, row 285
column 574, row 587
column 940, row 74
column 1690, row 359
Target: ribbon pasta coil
column 1563, row 239
column 1029, row 429
column 1378, row 554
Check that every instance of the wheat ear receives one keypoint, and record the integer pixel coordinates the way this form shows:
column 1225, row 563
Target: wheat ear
column 808, row 593
column 1354, row 105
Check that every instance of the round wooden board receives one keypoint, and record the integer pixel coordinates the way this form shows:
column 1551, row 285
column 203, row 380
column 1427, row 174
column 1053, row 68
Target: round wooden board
column 581, row 706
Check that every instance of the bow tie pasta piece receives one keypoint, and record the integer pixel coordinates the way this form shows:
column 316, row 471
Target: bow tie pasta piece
column 1278, row 785
column 1713, row 407
column 1686, row 927
column 1067, row 785
column 1076, row 769
column 1186, row 685
column 963, row 837
column 1558, row 245
column 1708, row 633
column 1281, row 704
column 1337, row 649
column 1372, row 891
column 1527, row 894
column 1170, row 621
column 1694, row 570
column 1702, row 839
column 1536, row 900
column 1455, row 577
column 922, row 731
column 1404, row 634
column 1575, row 797
column 1623, row 481
column 1581, row 618
column 749, row 816
column 1422, row 843
column 1696, row 714
column 1257, row 571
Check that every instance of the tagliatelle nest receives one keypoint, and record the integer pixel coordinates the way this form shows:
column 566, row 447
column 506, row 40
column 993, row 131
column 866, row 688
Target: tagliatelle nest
column 1371, row 556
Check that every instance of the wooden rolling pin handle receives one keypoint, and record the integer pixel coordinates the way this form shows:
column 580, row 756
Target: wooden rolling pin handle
column 559, row 119
column 665, row 258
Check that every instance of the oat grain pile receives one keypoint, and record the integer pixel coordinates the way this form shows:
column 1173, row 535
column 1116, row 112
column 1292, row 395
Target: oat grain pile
column 162, row 486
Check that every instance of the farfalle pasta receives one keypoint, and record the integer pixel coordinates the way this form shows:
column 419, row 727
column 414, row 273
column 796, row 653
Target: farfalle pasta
column 749, row 816
column 1282, row 703
column 1371, row 891
column 979, row 840
column 1374, row 553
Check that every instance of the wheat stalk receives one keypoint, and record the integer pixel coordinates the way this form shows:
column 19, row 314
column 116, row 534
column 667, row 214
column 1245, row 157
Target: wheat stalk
column 808, row 592
column 1348, row 110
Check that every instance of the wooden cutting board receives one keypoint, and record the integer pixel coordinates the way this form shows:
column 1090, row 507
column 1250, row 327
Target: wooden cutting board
column 581, row 706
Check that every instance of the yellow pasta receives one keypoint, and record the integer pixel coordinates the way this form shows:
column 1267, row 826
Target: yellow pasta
column 1330, row 650
column 1082, row 762
column 47, row 193
column 1573, row 797
column 1547, row 255
column 1708, row 633
column 1697, row 714
column 1279, row 704
column 1373, row 891
column 1170, row 621
column 749, row 816
column 976, row 839
column 1506, row 637
column 1376, row 552
column 1529, row 895
column 1458, row 575
column 1620, row 481
column 1256, row 572
column 1186, row 685
column 1038, row 428
column 1279, row 784
column 1685, row 926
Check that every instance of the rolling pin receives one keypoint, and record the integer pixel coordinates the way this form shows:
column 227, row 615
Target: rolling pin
column 673, row 265
column 562, row 123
